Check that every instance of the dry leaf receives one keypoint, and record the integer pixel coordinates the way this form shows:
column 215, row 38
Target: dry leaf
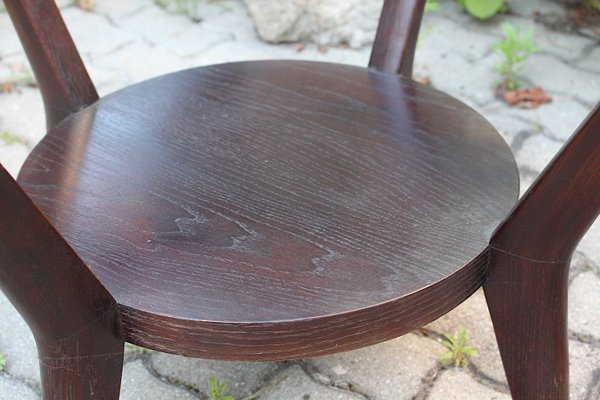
column 7, row 87
column 423, row 79
column 526, row 98
column 322, row 49
column 86, row 5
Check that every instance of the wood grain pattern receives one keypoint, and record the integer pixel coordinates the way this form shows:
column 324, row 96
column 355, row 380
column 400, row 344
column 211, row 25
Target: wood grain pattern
column 396, row 38
column 527, row 300
column 265, row 192
column 531, row 252
column 72, row 316
column 63, row 80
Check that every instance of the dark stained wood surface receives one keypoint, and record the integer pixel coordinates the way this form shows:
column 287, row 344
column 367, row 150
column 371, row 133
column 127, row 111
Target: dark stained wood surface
column 396, row 38
column 530, row 257
column 73, row 318
column 274, row 194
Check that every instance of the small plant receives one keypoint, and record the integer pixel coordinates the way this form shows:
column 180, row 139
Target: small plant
column 216, row 389
column 482, row 9
column 2, row 362
column 431, row 5
column 138, row 349
column 514, row 48
column 595, row 4
column 458, row 350
column 8, row 138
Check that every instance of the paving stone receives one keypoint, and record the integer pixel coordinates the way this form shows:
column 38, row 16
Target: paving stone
column 8, row 37
column 584, row 297
column 22, row 115
column 182, row 43
column 509, row 126
column 567, row 47
column 233, row 19
column 139, row 384
column 13, row 389
column 456, row 384
column 558, row 119
column 557, row 77
column 584, row 371
column 452, row 73
column 590, row 61
column 451, row 65
column 590, row 244
column 94, row 35
column 525, row 181
column 389, row 370
column 242, row 378
column 17, row 344
column 581, row 263
column 63, row 4
column 12, row 157
column 163, row 24
column 130, row 64
column 118, row 9
column 536, row 152
column 443, row 35
column 298, row 386
column 473, row 315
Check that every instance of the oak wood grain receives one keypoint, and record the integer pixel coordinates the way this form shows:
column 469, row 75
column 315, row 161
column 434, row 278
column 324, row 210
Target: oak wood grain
column 268, row 192
column 73, row 318
column 396, row 38
column 531, row 253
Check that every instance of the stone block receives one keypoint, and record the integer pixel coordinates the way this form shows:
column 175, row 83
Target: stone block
column 139, row 384
column 297, row 385
column 17, row 344
column 590, row 244
column 536, row 152
column 13, row 389
column 457, row 384
column 389, row 370
column 326, row 22
column 242, row 378
column 473, row 315
column 584, row 297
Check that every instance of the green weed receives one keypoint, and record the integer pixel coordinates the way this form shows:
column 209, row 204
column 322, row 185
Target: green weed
column 514, row 49
column 431, row 5
column 458, row 350
column 482, row 9
column 138, row 349
column 216, row 389
column 9, row 138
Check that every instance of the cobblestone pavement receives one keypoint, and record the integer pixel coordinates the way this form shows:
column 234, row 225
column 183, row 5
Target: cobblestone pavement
column 123, row 42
